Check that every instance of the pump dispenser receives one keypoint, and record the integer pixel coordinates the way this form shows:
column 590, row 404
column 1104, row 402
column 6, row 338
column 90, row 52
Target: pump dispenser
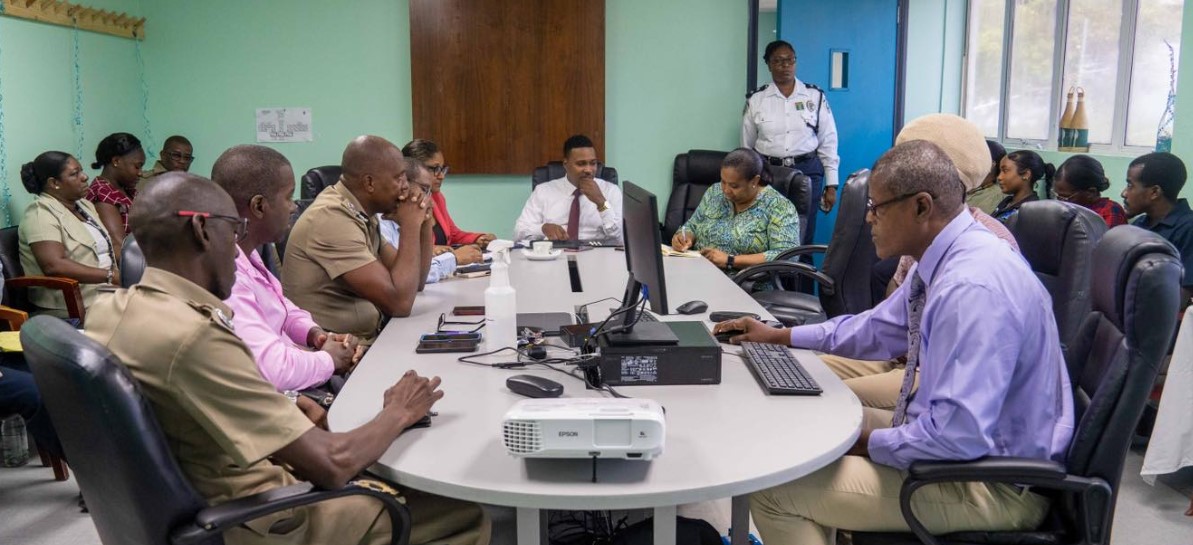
column 501, row 312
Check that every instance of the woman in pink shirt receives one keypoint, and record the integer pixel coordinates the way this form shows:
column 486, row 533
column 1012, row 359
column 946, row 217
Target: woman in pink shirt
column 292, row 352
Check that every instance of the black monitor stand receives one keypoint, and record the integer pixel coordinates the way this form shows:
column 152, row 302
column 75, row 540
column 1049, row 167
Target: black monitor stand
column 642, row 333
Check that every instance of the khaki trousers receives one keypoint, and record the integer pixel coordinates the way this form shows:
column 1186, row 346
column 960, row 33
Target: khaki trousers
column 875, row 383
column 361, row 520
column 857, row 494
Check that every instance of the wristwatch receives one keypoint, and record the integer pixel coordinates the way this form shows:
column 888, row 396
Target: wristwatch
column 604, row 206
column 729, row 261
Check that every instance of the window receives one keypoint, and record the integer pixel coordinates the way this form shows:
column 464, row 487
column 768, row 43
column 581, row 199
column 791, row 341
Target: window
column 1024, row 56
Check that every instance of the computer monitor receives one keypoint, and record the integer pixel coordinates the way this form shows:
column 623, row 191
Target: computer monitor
column 644, row 261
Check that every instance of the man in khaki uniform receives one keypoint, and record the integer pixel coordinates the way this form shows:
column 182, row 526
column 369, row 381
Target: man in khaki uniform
column 336, row 265
column 225, row 424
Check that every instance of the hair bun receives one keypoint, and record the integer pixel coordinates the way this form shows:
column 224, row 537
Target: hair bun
column 96, row 165
column 1104, row 184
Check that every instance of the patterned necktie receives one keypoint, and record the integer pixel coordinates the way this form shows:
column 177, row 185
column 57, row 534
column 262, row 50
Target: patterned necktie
column 915, row 310
column 574, row 217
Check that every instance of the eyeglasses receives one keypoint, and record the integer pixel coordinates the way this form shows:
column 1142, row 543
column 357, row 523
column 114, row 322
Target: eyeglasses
column 782, row 61
column 242, row 224
column 443, row 321
column 439, row 169
column 179, row 156
column 1062, row 198
column 872, row 208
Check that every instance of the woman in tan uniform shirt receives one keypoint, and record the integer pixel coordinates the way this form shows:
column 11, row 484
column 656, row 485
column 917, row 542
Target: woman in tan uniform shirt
column 60, row 232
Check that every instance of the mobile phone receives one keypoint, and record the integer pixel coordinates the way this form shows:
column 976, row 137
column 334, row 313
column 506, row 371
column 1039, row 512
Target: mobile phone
column 446, row 346
column 469, row 311
column 445, row 337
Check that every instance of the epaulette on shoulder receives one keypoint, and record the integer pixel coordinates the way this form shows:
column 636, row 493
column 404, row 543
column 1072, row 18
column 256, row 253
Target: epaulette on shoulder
column 755, row 91
column 813, row 86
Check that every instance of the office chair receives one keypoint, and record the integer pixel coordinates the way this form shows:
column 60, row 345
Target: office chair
column 1058, row 241
column 16, row 283
column 843, row 277
column 1119, row 347
column 132, row 262
column 694, row 172
column 554, row 170
column 134, row 488
column 280, row 248
column 797, row 187
column 317, row 179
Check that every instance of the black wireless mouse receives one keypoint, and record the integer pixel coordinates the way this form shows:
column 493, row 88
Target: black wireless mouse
column 532, row 386
column 692, row 307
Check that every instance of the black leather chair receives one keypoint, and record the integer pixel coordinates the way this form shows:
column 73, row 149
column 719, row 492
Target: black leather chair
column 797, row 187
column 554, row 170
column 844, row 275
column 134, row 488
column 694, row 172
column 317, row 179
column 132, row 262
column 1136, row 294
column 16, row 283
column 280, row 247
column 1058, row 241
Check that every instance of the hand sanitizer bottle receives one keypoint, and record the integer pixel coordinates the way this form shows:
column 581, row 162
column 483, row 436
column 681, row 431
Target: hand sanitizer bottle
column 501, row 314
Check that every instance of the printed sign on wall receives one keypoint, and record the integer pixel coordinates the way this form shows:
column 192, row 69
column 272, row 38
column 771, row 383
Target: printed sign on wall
column 284, row 125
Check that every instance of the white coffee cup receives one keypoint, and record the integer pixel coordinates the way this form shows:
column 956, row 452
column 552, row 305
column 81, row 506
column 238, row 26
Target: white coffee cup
column 542, row 247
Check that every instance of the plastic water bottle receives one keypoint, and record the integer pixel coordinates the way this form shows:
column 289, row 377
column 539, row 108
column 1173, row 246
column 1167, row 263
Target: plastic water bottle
column 14, row 448
column 501, row 314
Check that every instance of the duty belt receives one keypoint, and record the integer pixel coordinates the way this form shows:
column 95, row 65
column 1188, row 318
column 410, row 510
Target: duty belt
column 789, row 162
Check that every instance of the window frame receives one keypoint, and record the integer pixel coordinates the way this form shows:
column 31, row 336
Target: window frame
column 1122, row 100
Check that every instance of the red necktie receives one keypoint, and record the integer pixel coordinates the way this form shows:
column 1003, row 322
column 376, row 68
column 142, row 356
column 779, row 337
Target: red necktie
column 574, row 217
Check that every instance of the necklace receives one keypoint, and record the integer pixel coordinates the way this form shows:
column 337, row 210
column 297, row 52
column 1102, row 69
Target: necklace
column 91, row 221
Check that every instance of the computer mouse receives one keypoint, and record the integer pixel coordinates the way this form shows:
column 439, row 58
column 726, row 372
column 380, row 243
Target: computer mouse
column 532, row 386
column 692, row 307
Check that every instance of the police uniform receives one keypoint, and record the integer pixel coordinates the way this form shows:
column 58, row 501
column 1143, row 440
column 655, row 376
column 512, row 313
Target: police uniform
column 796, row 132
column 333, row 236
column 223, row 421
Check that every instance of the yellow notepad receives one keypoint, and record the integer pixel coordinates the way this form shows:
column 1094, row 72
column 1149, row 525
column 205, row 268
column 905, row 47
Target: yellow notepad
column 10, row 341
column 669, row 251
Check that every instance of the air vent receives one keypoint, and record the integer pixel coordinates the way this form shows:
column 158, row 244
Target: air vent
column 523, row 437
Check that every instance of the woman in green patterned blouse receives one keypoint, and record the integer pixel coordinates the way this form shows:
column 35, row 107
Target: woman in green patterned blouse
column 746, row 223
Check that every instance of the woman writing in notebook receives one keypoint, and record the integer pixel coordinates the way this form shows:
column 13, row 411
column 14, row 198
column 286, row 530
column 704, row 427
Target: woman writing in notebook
column 746, row 223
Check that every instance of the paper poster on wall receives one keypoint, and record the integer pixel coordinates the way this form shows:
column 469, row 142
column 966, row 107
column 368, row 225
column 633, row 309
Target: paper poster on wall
column 284, row 125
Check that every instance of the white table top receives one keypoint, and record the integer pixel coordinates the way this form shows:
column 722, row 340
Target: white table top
column 722, row 440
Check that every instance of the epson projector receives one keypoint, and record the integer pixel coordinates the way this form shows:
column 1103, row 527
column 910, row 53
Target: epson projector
column 631, row 429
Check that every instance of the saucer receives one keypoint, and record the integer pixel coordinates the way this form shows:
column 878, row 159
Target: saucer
column 529, row 254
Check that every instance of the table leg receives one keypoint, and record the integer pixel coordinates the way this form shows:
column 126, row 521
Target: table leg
column 530, row 525
column 664, row 525
column 739, row 520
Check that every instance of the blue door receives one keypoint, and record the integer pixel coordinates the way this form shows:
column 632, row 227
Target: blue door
column 865, row 110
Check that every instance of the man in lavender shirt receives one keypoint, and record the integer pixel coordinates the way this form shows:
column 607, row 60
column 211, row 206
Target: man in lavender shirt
column 291, row 351
column 992, row 381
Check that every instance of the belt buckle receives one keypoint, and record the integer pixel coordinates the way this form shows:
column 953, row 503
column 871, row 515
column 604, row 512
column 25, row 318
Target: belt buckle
column 789, row 162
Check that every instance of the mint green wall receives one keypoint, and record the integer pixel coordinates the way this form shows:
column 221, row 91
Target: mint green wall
column 38, row 92
column 935, row 45
column 669, row 87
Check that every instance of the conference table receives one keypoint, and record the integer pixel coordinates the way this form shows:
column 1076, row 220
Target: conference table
column 722, row 441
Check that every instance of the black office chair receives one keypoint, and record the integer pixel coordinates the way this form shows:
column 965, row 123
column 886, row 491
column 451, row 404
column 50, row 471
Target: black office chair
column 1058, row 241
column 134, row 488
column 280, row 247
column 694, row 172
column 843, row 278
column 554, row 170
column 132, row 262
column 1119, row 347
column 797, row 187
column 317, row 179
column 16, row 284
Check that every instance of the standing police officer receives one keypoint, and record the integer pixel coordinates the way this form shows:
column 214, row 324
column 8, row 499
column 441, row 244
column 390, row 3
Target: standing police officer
column 789, row 122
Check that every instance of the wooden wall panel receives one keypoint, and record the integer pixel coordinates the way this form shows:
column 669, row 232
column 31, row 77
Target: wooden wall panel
column 499, row 85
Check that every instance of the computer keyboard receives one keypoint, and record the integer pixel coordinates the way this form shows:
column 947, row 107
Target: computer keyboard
column 777, row 370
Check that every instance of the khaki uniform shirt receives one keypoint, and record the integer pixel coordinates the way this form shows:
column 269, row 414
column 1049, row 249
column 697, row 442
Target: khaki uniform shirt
column 46, row 219
column 220, row 418
column 986, row 199
column 332, row 237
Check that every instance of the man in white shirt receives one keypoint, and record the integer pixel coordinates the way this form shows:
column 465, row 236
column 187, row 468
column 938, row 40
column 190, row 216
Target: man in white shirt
column 578, row 206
